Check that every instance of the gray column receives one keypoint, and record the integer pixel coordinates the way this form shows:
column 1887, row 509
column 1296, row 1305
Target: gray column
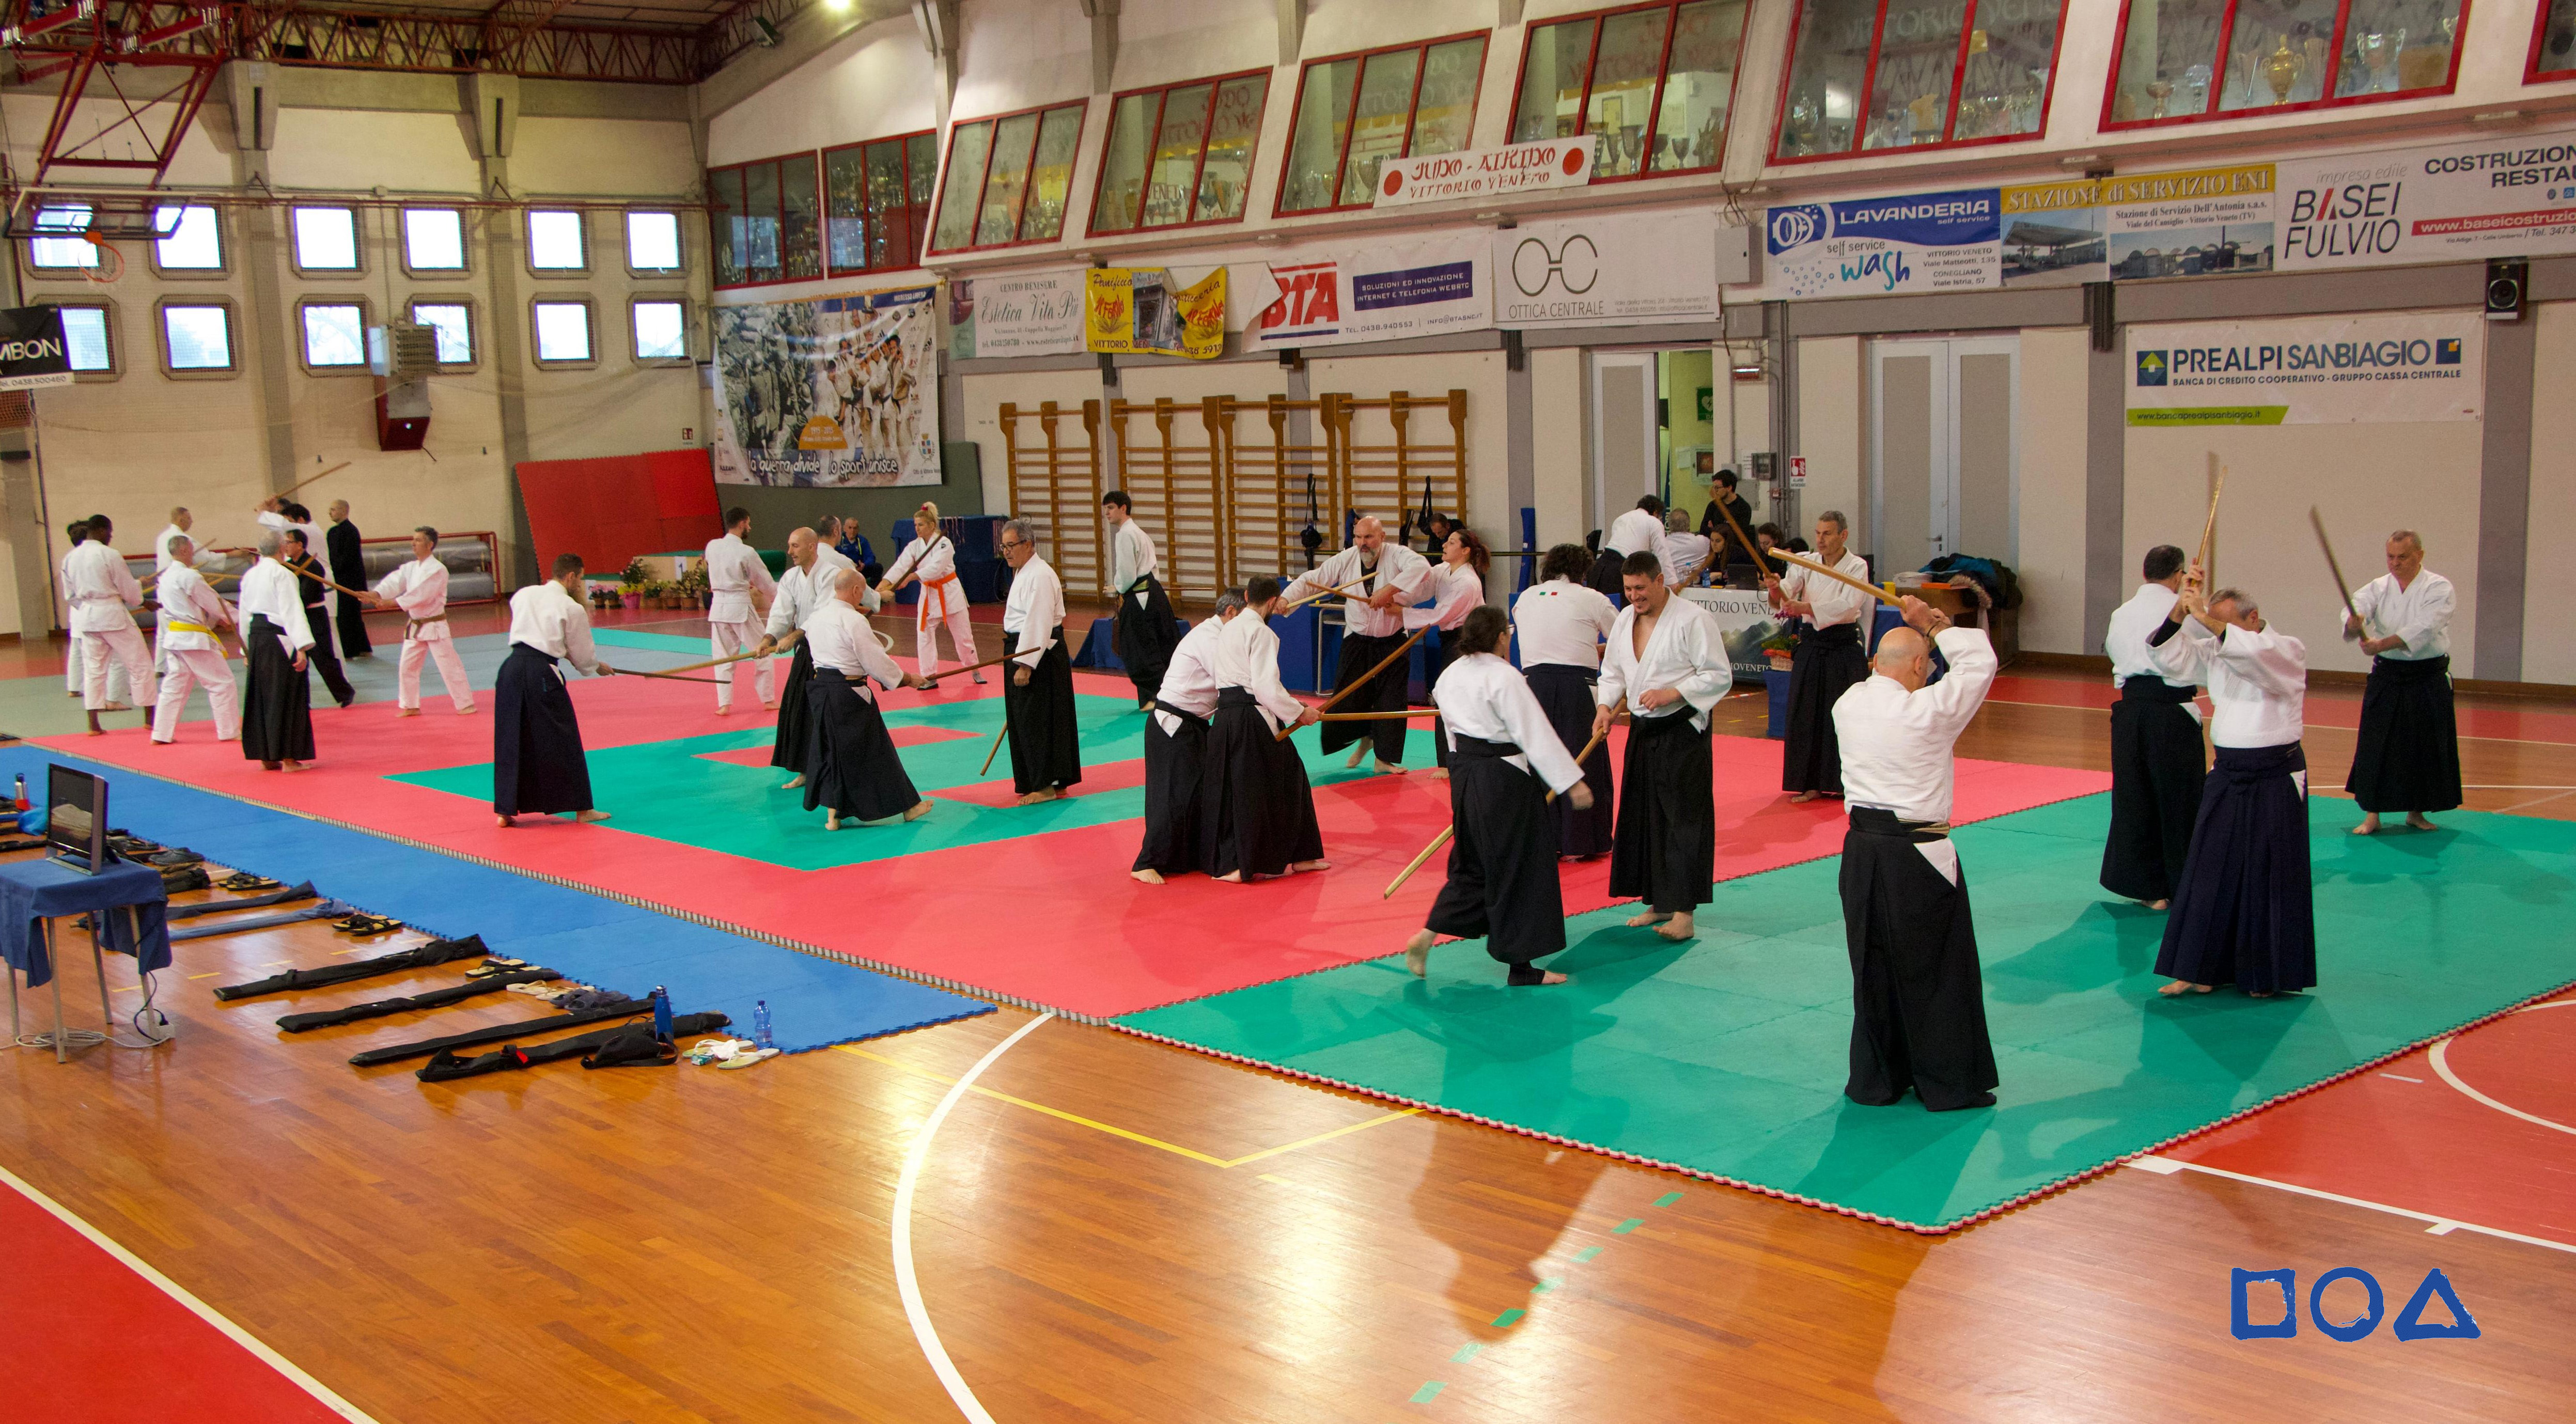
column 1521, row 459
column 2504, row 501
column 2106, row 427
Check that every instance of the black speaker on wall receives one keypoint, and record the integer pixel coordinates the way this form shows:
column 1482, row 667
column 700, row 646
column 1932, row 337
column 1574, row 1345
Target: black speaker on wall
column 2508, row 280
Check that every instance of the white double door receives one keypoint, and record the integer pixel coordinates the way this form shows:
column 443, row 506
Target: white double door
column 1943, row 464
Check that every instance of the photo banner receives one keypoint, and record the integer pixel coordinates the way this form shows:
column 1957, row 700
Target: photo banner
column 32, row 350
column 2196, row 222
column 2394, row 369
column 1143, row 310
column 2462, row 201
column 1630, row 267
column 1380, row 292
column 1746, row 618
column 1918, row 242
column 1022, row 313
column 829, row 392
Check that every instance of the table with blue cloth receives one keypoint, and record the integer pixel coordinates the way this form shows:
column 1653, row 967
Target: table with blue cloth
column 34, row 893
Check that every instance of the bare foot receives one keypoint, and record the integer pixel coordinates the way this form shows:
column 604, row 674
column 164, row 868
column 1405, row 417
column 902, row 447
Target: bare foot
column 1304, row 866
column 2258, row 993
column 467, row 711
column 1232, row 877
column 724, row 711
column 831, row 820
column 1357, row 752
column 1803, row 797
column 1146, row 706
column 2369, row 825
column 1388, row 768
column 2417, row 820
column 504, row 822
column 1043, row 793
column 2180, row 987
column 917, row 812
column 1440, row 773
column 589, row 816
column 769, row 707
column 2159, row 904
column 1553, row 978
column 1678, row 928
column 290, row 764
column 116, row 707
column 1417, row 954
column 1149, row 875
column 799, row 781
column 406, row 711
column 1649, row 917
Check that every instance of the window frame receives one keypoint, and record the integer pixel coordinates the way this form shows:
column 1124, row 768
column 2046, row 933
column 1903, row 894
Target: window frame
column 1958, row 80
column 929, row 210
column 1663, row 76
column 1350, row 127
column 528, row 244
column 464, row 244
column 679, row 243
column 822, row 208
column 1028, row 176
column 232, row 338
column 81, row 233
column 357, row 244
column 2326, row 97
column 304, row 340
column 634, row 338
column 2532, row 73
column 1198, row 172
column 223, row 267
column 590, row 310
column 115, row 343
column 473, row 334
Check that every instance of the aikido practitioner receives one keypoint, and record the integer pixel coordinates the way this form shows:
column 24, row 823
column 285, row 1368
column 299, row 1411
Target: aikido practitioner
column 736, row 577
column 855, row 773
column 1037, row 701
column 1561, row 621
column 277, row 720
column 192, row 652
column 1457, row 588
column 1176, row 734
column 537, row 763
column 2157, row 763
column 1639, row 531
column 1829, row 659
column 1667, row 660
column 181, row 521
column 932, row 558
column 2408, row 757
column 1256, row 808
column 1391, row 577
column 103, row 595
column 2244, row 912
column 75, row 676
column 1504, row 758
column 348, row 559
column 1918, row 996
column 316, row 594
column 808, row 581
column 1145, row 630
column 419, row 589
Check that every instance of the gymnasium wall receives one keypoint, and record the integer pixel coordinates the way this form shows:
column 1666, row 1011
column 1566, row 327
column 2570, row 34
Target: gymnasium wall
column 2051, row 405
column 2548, row 648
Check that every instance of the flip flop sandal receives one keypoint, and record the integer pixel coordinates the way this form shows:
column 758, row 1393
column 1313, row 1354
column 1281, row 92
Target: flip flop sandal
column 745, row 1060
column 242, row 881
column 495, row 964
column 172, row 859
column 366, row 925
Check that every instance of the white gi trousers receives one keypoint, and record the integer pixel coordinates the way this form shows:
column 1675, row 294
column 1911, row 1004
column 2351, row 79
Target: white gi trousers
column 199, row 668
column 75, row 680
column 730, row 638
column 944, row 601
column 451, row 673
column 117, row 647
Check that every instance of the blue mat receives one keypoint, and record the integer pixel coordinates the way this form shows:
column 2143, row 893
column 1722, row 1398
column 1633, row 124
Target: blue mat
column 813, row 1002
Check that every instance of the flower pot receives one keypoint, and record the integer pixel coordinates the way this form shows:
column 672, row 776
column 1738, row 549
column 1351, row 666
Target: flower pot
column 631, row 600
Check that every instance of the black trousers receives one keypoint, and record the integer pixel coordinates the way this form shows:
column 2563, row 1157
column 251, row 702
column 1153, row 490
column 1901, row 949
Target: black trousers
column 789, row 749
column 1144, row 633
column 1502, row 883
column 1175, row 765
column 1827, row 663
column 1918, row 994
column 277, row 706
column 1666, row 849
column 1046, row 746
column 2408, row 755
column 354, row 642
column 1565, row 694
column 2245, row 912
column 1382, row 693
column 537, row 761
column 2156, row 769
column 320, row 658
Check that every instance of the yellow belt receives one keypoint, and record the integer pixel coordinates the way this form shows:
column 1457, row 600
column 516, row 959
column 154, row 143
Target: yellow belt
column 175, row 626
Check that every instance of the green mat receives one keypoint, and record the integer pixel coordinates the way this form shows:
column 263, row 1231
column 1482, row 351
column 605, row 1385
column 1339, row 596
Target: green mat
column 1725, row 1058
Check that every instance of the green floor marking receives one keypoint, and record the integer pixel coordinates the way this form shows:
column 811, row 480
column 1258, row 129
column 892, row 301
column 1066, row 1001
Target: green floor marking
column 659, row 642
column 1545, row 1286
column 1587, row 1253
column 1424, row 1394
column 1668, row 1198
column 1631, row 1224
column 1509, row 1318
column 1466, row 1352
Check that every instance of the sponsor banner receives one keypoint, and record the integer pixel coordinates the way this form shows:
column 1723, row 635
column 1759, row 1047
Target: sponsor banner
column 1390, row 292
column 1132, row 310
column 1641, row 267
column 1745, row 616
column 1020, row 314
column 831, row 391
column 2348, row 370
column 1486, row 172
column 2198, row 222
column 2472, row 198
column 32, row 353
column 1917, row 242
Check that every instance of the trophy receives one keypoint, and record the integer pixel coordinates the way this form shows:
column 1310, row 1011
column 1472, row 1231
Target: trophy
column 2375, row 51
column 2159, row 90
column 2280, row 71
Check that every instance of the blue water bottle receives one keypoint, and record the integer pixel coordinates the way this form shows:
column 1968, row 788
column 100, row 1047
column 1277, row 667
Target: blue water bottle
column 760, row 1023
column 661, row 1013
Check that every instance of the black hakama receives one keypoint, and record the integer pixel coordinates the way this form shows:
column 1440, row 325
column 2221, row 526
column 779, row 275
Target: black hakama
column 1829, row 661
column 2408, row 758
column 854, row 770
column 1435, row 660
column 1502, row 882
column 1918, row 996
column 319, row 658
column 792, row 749
column 1665, row 852
column 2157, row 767
column 349, row 568
column 2245, row 913
column 1175, row 764
column 1144, row 637
column 537, row 761
column 277, row 707
column 1046, row 750
column 1383, row 693
column 1565, row 694
column 1606, row 578
column 1256, row 808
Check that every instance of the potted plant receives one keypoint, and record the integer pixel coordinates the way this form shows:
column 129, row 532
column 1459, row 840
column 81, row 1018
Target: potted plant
column 631, row 581
column 1781, row 649
column 694, row 587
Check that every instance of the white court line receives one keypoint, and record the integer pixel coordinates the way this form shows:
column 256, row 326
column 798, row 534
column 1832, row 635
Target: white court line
column 2438, row 1225
column 181, row 1294
column 2441, row 1061
column 907, row 1283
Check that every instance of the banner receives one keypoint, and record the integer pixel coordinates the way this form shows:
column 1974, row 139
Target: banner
column 32, row 353
column 1745, row 617
column 1130, row 310
column 1021, row 314
column 1920, row 242
column 2324, row 371
column 830, row 391
column 2200, row 222
column 1630, row 267
column 2507, row 195
column 1424, row 287
column 1486, row 172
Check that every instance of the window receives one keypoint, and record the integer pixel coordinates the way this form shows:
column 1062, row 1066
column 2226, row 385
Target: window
column 454, row 323
column 62, row 252
column 555, row 241
column 652, row 242
column 1007, row 179
column 326, row 239
column 661, row 327
column 1180, row 155
column 2553, row 42
column 1653, row 84
column 766, row 221
column 2279, row 54
column 877, row 196
column 335, row 335
column 1866, row 75
column 89, row 339
column 192, row 240
column 563, row 332
column 1356, row 111
column 196, row 336
column 433, row 240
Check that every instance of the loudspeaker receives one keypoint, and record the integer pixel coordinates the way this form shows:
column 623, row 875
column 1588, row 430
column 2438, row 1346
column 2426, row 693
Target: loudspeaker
column 2507, row 280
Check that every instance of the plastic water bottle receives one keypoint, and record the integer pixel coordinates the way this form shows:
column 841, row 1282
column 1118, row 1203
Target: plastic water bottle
column 760, row 1023
column 21, row 794
column 661, row 1013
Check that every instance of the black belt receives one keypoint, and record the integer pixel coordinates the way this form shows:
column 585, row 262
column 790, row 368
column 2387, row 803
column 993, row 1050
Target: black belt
column 1835, row 636
column 1591, row 676
column 1663, row 725
column 2409, row 669
column 2144, row 687
column 1462, row 745
column 2246, row 765
column 1236, row 697
column 1192, row 718
column 1873, row 821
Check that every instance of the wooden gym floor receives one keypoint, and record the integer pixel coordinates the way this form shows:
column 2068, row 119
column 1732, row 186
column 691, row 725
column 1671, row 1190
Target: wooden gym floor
column 1105, row 1229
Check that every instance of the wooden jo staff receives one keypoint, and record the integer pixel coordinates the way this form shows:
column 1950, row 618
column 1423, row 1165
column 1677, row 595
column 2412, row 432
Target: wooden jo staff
column 1364, row 679
column 2333, row 566
column 1451, row 829
column 1376, row 716
column 1288, row 608
column 1784, row 556
column 2209, row 530
column 299, row 484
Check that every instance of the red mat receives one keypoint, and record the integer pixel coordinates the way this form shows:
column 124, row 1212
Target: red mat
column 1053, row 919
column 84, row 1337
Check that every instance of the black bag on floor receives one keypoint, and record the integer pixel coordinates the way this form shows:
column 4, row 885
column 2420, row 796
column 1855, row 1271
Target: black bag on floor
column 434, row 999
column 422, row 956
column 499, row 1033
column 447, row 1066
column 633, row 1046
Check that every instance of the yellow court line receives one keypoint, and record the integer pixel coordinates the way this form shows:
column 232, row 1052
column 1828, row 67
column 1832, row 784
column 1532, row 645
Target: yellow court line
column 1136, row 1137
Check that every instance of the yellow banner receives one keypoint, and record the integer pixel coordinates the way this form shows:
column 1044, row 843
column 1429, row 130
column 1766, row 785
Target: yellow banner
column 1132, row 310
column 2180, row 186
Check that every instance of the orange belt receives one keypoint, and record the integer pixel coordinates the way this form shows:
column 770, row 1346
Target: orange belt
column 927, row 585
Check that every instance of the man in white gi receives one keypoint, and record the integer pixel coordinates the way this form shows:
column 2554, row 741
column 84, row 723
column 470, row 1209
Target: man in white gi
column 1037, row 702
column 538, row 766
column 932, row 558
column 2156, row 758
column 1830, row 658
column 190, row 648
column 2408, row 755
column 1176, row 748
column 1390, row 577
column 103, row 596
column 277, row 721
column 75, row 677
column 1666, row 658
column 419, row 589
column 809, row 581
column 1144, row 629
column 740, row 581
column 856, row 773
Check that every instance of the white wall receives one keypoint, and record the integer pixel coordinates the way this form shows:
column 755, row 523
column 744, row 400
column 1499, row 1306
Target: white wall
column 2548, row 635
column 1833, row 408
column 2051, row 412
column 870, row 83
column 1559, row 455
